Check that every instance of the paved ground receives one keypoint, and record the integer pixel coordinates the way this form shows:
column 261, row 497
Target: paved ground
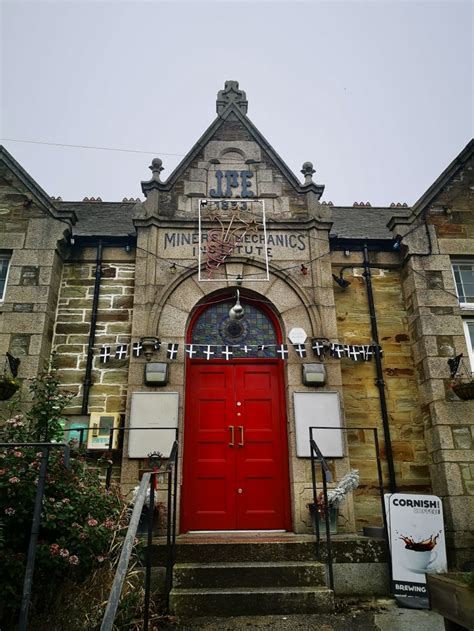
column 377, row 615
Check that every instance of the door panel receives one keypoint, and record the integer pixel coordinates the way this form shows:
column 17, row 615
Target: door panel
column 243, row 485
column 209, row 464
column 260, row 461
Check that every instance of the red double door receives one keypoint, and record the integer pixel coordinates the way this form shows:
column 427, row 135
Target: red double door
column 235, row 470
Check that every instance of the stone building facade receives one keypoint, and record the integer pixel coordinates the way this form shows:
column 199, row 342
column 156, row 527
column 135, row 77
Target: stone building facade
column 89, row 278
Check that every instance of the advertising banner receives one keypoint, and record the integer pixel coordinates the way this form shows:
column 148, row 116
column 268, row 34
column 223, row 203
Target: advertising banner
column 417, row 545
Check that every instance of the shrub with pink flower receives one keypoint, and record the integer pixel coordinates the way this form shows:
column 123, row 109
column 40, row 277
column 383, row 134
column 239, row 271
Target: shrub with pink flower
column 70, row 539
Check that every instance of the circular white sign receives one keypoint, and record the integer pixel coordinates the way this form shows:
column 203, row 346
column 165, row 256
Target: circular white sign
column 297, row 336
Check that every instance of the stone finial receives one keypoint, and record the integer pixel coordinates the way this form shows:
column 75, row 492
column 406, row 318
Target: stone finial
column 156, row 168
column 308, row 171
column 231, row 94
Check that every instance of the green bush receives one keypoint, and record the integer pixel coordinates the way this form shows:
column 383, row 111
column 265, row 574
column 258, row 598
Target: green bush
column 80, row 519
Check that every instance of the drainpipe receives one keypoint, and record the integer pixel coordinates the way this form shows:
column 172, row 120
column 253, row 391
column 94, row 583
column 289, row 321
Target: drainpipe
column 90, row 347
column 378, row 365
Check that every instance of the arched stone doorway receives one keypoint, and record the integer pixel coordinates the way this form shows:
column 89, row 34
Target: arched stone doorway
column 235, row 458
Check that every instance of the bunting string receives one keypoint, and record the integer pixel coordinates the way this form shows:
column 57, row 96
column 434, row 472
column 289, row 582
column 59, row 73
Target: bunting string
column 319, row 346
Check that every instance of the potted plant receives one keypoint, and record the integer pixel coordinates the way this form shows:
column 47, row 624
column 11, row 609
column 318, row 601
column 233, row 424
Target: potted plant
column 462, row 382
column 8, row 387
column 452, row 596
column 335, row 498
column 8, row 382
column 144, row 517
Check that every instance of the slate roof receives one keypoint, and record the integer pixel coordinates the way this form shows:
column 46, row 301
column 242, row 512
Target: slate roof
column 106, row 219
column 361, row 222
column 114, row 219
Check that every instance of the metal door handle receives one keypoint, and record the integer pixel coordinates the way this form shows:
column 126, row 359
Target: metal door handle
column 241, row 430
column 232, row 441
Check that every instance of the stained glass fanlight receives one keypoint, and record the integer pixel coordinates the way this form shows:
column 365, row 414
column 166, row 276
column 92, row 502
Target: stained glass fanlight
column 214, row 327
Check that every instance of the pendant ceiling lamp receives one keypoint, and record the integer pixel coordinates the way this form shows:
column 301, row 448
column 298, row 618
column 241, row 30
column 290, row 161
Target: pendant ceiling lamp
column 237, row 311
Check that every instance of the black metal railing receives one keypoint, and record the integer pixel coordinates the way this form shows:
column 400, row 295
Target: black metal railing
column 127, row 547
column 149, row 479
column 316, row 455
column 172, row 471
column 36, row 521
column 170, row 474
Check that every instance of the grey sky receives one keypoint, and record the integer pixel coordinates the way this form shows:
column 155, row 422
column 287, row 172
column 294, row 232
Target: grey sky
column 378, row 95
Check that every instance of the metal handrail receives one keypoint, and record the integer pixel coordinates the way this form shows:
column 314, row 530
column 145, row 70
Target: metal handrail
column 148, row 480
column 316, row 454
column 171, row 518
column 36, row 521
column 379, row 475
column 116, row 590
column 122, row 430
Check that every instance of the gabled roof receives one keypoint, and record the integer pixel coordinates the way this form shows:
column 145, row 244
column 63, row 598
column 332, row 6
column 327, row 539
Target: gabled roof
column 230, row 112
column 101, row 219
column 438, row 185
column 40, row 196
column 362, row 222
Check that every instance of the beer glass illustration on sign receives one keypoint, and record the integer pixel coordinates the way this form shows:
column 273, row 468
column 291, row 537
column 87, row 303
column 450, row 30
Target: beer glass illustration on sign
column 419, row 556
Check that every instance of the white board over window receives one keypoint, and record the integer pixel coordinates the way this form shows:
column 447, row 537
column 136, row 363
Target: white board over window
column 154, row 411
column 318, row 409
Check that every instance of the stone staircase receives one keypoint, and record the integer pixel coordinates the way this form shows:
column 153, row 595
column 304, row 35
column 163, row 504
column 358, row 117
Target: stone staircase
column 237, row 577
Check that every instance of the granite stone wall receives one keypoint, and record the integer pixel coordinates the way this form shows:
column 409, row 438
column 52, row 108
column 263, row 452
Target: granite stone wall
column 436, row 327
column 33, row 240
column 108, row 392
column 361, row 395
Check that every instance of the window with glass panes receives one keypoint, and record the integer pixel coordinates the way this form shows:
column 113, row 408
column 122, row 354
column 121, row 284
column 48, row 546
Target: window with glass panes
column 4, row 263
column 469, row 331
column 255, row 330
column 464, row 277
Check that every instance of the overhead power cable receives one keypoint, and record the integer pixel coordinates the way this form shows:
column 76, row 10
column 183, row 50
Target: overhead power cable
column 60, row 144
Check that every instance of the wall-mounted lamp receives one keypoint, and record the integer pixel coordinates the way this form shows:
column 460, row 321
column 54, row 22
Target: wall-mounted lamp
column 128, row 248
column 173, row 268
column 156, row 374
column 304, row 269
column 397, row 242
column 150, row 344
column 237, row 311
column 314, row 374
column 72, row 240
column 342, row 282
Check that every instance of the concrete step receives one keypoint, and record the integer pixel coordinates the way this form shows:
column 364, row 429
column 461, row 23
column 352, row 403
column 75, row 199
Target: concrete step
column 249, row 574
column 345, row 550
column 250, row 601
